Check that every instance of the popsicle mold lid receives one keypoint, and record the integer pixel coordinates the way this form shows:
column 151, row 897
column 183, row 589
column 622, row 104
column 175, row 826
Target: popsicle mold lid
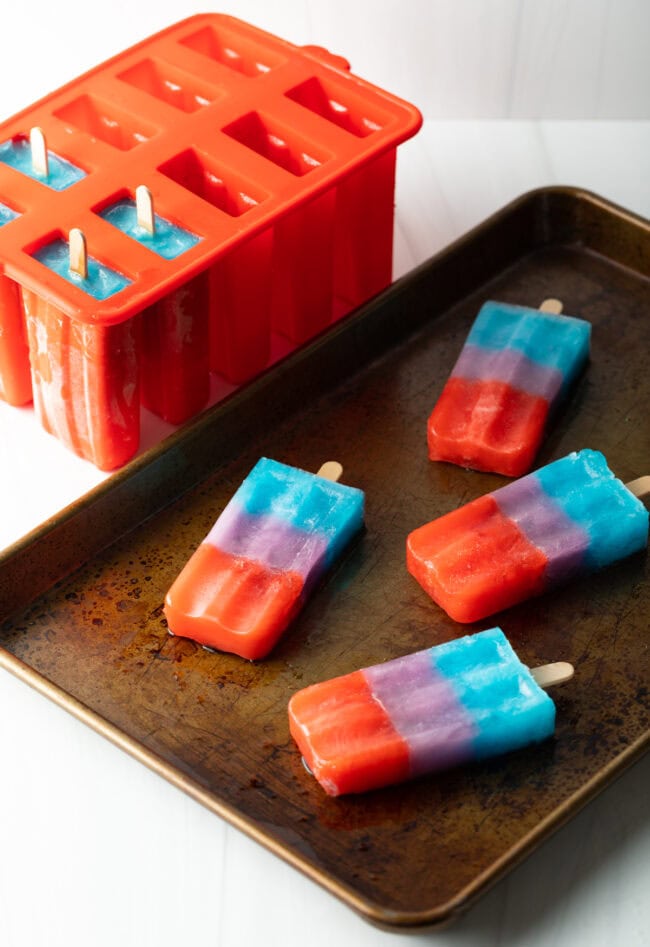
column 271, row 124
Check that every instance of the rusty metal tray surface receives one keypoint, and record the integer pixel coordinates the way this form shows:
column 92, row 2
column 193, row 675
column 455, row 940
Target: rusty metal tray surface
column 81, row 598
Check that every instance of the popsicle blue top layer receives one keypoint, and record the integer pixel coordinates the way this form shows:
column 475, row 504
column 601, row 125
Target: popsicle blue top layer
column 462, row 700
column 168, row 240
column 508, row 708
column 62, row 174
column 558, row 343
column 298, row 502
column 586, row 490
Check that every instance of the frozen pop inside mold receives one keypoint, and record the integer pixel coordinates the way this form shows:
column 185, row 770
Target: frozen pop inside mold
column 101, row 280
column 168, row 240
column 17, row 153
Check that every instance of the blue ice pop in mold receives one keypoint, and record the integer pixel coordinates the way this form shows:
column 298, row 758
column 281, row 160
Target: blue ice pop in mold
column 17, row 153
column 168, row 240
column 101, row 281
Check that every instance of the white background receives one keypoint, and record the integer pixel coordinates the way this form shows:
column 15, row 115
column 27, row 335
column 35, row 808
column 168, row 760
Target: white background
column 94, row 849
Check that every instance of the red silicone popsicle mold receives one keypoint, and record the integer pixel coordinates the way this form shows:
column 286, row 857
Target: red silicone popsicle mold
column 277, row 157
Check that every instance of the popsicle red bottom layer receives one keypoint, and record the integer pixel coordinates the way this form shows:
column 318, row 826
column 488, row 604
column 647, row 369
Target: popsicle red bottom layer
column 380, row 754
column 231, row 603
column 483, row 537
column 486, row 425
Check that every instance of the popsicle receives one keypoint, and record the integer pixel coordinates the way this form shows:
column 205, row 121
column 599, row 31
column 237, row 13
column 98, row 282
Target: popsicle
column 138, row 220
column 514, row 370
column 570, row 517
column 84, row 376
column 175, row 330
column 70, row 260
column 280, row 532
column 456, row 702
column 32, row 157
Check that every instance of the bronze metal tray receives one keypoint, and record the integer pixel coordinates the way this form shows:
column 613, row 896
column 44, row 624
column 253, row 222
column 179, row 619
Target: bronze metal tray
column 81, row 597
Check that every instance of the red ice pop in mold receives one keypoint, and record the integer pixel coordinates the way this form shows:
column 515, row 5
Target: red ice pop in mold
column 277, row 158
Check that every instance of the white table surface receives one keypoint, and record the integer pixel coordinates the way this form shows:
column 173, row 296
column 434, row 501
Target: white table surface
column 95, row 850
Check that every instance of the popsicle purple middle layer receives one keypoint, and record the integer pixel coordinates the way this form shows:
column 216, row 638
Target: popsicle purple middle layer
column 265, row 538
column 511, row 367
column 424, row 709
column 545, row 525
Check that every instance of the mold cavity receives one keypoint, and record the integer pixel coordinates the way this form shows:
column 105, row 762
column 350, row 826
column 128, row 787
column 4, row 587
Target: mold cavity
column 101, row 281
column 232, row 50
column 273, row 143
column 104, row 121
column 17, row 153
column 168, row 84
column 326, row 100
column 168, row 240
column 203, row 176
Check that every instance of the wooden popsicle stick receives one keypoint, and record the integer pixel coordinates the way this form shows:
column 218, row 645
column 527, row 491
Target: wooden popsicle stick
column 144, row 209
column 78, row 253
column 330, row 470
column 40, row 158
column 554, row 306
column 547, row 675
column 639, row 487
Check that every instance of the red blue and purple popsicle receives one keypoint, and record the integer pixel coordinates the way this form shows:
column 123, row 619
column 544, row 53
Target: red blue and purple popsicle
column 281, row 531
column 570, row 517
column 460, row 701
column 515, row 368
